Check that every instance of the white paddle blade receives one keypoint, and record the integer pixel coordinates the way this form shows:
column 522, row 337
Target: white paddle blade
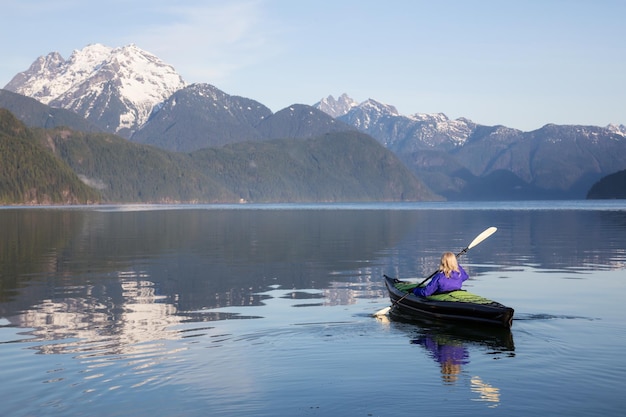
column 484, row 235
column 382, row 312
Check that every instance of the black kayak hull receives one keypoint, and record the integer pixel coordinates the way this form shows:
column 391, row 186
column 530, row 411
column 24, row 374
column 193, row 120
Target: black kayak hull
column 493, row 313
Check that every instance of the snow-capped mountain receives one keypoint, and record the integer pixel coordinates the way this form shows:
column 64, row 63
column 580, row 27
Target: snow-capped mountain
column 115, row 88
column 336, row 108
column 400, row 133
column 620, row 130
column 132, row 93
column 463, row 160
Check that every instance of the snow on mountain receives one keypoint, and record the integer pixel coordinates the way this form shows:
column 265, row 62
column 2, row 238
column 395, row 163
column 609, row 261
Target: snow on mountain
column 336, row 108
column 394, row 130
column 50, row 76
column 380, row 108
column 437, row 126
column 116, row 88
column 617, row 129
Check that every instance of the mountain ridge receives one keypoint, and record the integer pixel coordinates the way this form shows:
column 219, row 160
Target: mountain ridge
column 458, row 159
column 199, row 116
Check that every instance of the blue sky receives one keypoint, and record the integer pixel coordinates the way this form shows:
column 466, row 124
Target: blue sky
column 521, row 64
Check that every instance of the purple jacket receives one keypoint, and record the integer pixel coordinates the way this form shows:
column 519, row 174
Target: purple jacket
column 452, row 352
column 439, row 283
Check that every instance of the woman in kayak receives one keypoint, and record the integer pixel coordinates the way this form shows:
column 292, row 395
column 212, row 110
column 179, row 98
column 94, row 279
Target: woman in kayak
column 449, row 278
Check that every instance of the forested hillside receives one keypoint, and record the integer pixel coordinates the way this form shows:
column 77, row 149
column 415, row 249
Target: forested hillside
column 346, row 166
column 126, row 172
column 62, row 166
column 610, row 187
column 31, row 174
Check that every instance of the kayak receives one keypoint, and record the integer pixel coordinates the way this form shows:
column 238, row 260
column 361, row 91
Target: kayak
column 458, row 306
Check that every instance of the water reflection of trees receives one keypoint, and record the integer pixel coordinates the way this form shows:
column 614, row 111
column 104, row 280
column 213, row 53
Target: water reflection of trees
column 200, row 258
column 561, row 239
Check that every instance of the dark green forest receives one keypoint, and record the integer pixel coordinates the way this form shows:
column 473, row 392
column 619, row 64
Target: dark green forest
column 62, row 166
column 31, row 174
column 610, row 187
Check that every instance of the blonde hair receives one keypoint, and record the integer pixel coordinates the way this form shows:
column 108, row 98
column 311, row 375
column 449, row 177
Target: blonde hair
column 448, row 263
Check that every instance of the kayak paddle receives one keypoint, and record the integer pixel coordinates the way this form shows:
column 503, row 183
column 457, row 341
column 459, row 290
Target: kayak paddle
column 484, row 235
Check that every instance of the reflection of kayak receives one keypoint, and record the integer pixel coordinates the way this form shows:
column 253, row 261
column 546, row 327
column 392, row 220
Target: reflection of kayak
column 450, row 344
column 492, row 338
column 452, row 306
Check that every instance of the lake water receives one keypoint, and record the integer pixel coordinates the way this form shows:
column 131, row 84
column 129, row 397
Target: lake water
column 267, row 310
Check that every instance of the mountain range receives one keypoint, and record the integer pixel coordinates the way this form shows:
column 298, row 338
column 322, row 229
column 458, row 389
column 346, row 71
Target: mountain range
column 131, row 93
column 466, row 161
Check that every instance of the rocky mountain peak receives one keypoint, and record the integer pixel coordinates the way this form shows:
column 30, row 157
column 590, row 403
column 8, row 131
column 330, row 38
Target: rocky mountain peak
column 382, row 109
column 338, row 107
column 617, row 129
column 115, row 88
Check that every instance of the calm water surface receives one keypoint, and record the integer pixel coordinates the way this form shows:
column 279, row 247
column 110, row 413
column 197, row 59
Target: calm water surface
column 267, row 311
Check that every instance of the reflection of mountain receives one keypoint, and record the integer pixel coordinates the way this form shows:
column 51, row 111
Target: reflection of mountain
column 113, row 341
column 558, row 239
column 89, row 326
column 196, row 258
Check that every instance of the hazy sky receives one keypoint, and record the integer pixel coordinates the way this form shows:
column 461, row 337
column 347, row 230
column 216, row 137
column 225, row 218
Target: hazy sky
column 521, row 64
